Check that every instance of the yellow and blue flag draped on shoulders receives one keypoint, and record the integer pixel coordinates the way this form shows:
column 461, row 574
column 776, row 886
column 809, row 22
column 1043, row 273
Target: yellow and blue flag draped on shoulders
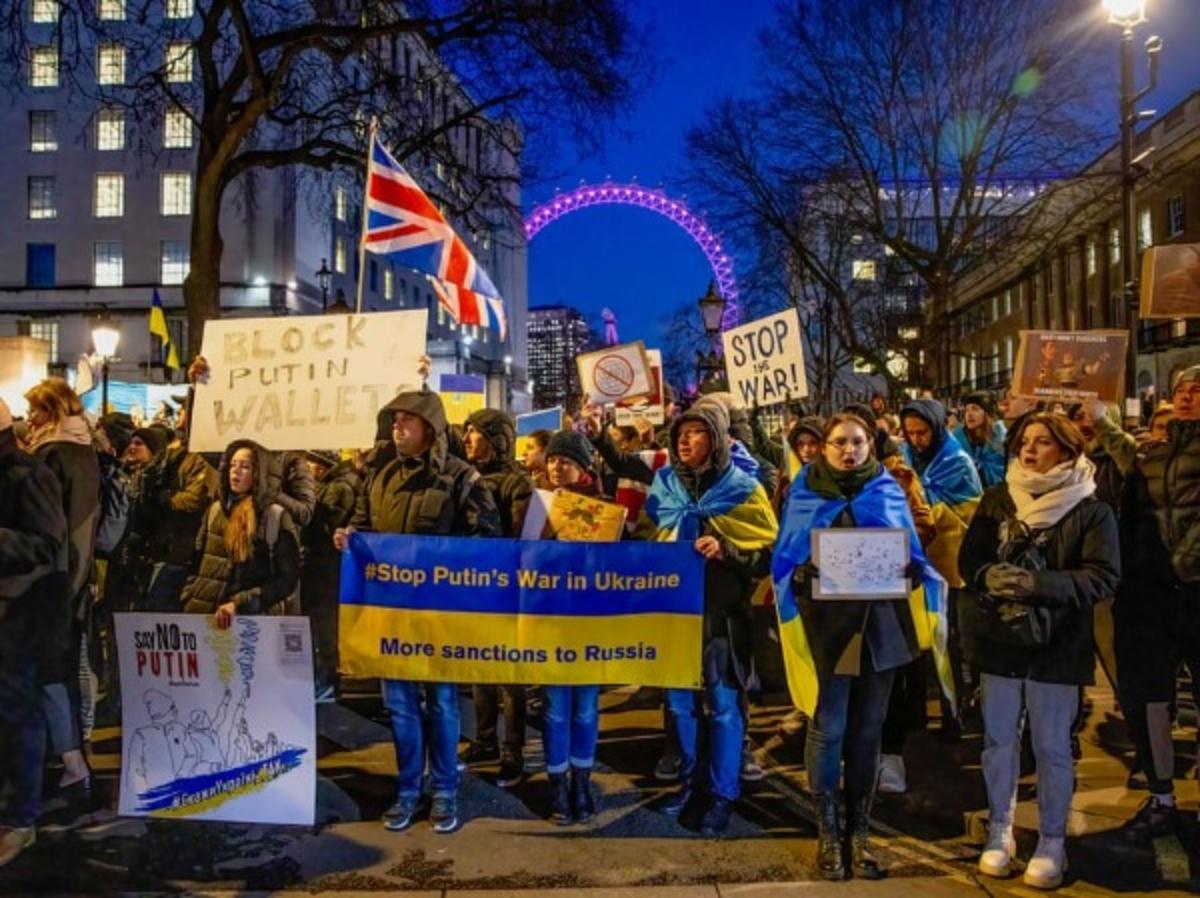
column 736, row 507
column 880, row 504
column 953, row 489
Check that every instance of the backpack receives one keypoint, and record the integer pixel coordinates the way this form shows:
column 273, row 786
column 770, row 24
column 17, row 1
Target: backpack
column 114, row 508
column 290, row 605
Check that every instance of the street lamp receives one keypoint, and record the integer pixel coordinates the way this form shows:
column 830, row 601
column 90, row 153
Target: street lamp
column 1126, row 15
column 105, row 337
column 324, row 275
column 712, row 312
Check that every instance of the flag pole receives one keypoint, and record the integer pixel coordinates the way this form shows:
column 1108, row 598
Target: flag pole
column 362, row 234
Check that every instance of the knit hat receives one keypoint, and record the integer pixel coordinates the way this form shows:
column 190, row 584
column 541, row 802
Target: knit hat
column 981, row 399
column 156, row 438
column 862, row 410
column 325, row 457
column 1187, row 375
column 574, row 446
column 119, row 428
column 813, row 425
column 6, row 418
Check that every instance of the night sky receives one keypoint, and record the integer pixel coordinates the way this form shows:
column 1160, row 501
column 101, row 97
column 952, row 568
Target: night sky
column 641, row 265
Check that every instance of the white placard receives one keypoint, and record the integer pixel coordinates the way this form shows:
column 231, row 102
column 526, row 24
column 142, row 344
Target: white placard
column 304, row 382
column 652, row 407
column 217, row 724
column 616, row 372
column 764, row 360
column 860, row 563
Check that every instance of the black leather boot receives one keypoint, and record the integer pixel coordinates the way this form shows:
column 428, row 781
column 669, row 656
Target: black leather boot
column 560, row 799
column 582, row 803
column 862, row 860
column 830, row 863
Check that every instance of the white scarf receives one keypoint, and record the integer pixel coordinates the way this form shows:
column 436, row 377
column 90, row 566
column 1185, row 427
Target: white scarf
column 1043, row 499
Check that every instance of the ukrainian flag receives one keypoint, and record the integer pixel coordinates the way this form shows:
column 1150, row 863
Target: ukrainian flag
column 953, row 488
column 158, row 328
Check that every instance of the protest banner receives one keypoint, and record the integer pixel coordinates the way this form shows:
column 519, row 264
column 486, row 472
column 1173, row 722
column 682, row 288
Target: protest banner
column 550, row 419
column 615, row 372
column 304, row 382
column 217, row 724
column 1071, row 365
column 1171, row 281
column 462, row 395
column 564, row 515
column 651, row 407
column 764, row 360
column 521, row 611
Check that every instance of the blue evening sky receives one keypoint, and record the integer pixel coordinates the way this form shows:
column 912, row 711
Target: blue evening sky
column 641, row 265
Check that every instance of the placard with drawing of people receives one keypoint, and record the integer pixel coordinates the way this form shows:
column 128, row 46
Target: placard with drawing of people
column 1071, row 365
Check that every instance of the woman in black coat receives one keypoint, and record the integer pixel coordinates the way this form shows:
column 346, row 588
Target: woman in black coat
column 1040, row 552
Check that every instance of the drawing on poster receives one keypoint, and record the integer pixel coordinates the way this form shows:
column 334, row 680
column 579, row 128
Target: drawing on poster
column 866, row 563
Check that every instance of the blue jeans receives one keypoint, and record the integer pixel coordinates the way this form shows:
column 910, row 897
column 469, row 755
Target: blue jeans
column 726, row 729
column 414, row 730
column 22, row 738
column 571, row 726
column 849, row 724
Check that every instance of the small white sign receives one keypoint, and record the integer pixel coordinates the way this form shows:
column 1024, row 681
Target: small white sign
column 650, row 408
column 616, row 372
column 764, row 360
column 860, row 563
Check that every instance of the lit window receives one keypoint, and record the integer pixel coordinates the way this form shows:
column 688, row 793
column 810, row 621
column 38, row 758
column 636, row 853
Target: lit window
column 110, row 129
column 108, row 265
column 179, row 61
column 863, row 269
column 179, row 9
column 1114, row 239
column 1091, row 257
column 109, row 198
column 176, row 261
column 43, row 135
column 112, row 10
column 43, row 67
column 41, row 198
column 1145, row 229
column 389, row 283
column 43, row 11
column 48, row 331
column 339, row 255
column 441, row 315
column 176, row 193
column 1175, row 217
column 340, row 204
column 1008, row 302
column 177, row 130
column 110, row 64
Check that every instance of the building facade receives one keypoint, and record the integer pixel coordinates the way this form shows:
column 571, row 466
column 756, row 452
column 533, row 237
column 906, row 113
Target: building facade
column 556, row 335
column 1069, row 277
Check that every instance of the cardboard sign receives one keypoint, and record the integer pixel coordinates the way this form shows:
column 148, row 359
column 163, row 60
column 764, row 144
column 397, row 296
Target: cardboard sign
column 462, row 395
column 615, row 373
column 1171, row 281
column 570, row 517
column 650, row 408
column 217, row 724
column 1071, row 365
column 764, row 360
column 304, row 382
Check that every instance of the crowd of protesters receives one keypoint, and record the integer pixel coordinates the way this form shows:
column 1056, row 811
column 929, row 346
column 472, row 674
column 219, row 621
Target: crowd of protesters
column 1061, row 537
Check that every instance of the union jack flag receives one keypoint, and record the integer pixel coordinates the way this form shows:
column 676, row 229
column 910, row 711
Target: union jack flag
column 404, row 223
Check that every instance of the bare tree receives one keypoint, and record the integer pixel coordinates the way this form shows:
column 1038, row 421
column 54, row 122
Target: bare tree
column 456, row 85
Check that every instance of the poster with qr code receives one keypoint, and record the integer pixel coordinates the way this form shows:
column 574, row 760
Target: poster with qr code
column 217, row 724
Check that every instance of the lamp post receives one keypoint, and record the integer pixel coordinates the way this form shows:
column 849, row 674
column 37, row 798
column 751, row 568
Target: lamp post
column 324, row 275
column 105, row 337
column 1127, row 15
column 712, row 311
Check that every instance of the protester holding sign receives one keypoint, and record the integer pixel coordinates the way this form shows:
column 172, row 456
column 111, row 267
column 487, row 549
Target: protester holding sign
column 1040, row 552
column 705, row 499
column 417, row 487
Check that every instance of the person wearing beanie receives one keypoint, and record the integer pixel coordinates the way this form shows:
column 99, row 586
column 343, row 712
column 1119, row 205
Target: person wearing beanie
column 118, row 428
column 416, row 486
column 574, row 447
column 1158, row 596
column 983, row 437
column 144, row 444
column 33, row 603
column 490, row 442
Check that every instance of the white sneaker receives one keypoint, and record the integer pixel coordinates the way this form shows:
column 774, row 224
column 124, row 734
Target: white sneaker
column 1049, row 862
column 997, row 856
column 892, row 778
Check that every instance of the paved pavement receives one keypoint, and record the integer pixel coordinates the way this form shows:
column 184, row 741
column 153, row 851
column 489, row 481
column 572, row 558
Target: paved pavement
column 506, row 848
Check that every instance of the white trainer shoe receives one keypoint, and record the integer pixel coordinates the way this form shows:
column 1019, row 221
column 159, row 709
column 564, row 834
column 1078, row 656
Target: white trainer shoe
column 997, row 856
column 892, row 778
column 1049, row 862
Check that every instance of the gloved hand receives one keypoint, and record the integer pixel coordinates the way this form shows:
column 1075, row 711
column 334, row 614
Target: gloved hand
column 1007, row 581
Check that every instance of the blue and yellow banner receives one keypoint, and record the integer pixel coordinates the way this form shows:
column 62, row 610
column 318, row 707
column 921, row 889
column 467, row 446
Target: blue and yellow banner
column 470, row 610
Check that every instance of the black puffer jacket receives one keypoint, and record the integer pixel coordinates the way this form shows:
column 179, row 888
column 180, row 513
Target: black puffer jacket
column 1083, row 567
column 1160, row 511
column 263, row 582
column 435, row 494
column 505, row 479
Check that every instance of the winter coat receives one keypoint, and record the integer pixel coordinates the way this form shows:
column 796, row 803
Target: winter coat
column 293, row 486
column 262, row 583
column 337, row 494
column 505, row 478
column 1082, row 568
column 171, row 496
column 33, row 562
column 1112, row 452
column 1160, row 516
column 435, row 494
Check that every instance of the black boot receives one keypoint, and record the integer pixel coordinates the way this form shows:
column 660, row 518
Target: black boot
column 862, row 861
column 829, row 837
column 560, row 799
column 582, row 804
